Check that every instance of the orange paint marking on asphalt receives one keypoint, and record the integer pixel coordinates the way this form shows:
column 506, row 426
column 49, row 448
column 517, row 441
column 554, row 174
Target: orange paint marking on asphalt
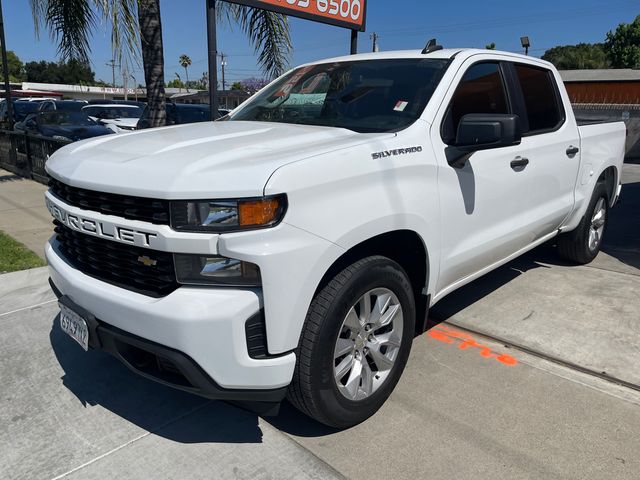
column 466, row 342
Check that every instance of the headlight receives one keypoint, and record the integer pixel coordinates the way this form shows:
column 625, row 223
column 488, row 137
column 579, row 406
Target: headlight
column 228, row 215
column 215, row 270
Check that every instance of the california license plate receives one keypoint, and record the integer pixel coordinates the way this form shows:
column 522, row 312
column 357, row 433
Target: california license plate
column 74, row 325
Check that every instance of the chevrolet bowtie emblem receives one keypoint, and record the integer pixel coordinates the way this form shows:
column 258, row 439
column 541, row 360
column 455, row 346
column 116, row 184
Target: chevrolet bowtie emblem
column 147, row 262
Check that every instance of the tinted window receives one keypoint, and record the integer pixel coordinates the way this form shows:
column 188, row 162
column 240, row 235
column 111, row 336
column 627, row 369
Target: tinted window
column 70, row 106
column 193, row 114
column 108, row 113
column 66, row 119
column 540, row 97
column 364, row 96
column 481, row 90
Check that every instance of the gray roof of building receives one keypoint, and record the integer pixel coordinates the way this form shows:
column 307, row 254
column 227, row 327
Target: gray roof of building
column 601, row 75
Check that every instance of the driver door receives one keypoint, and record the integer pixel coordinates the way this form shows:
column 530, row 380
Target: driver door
column 482, row 202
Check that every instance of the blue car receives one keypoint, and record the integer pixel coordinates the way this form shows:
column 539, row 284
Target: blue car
column 61, row 125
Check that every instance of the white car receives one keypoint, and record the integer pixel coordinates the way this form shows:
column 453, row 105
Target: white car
column 119, row 118
column 295, row 248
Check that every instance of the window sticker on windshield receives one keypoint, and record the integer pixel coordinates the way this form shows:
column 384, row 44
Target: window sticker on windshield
column 400, row 106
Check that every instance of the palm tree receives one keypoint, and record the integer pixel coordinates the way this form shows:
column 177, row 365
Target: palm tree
column 185, row 62
column 71, row 23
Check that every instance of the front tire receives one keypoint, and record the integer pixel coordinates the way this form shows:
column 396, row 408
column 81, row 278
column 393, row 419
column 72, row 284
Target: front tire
column 354, row 344
column 583, row 244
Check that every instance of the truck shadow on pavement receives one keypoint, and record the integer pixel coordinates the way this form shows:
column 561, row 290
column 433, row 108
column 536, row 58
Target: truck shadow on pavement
column 97, row 379
column 622, row 240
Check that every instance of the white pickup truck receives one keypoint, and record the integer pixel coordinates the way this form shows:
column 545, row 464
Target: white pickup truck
column 294, row 248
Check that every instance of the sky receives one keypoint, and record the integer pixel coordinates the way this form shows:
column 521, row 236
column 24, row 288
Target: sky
column 400, row 24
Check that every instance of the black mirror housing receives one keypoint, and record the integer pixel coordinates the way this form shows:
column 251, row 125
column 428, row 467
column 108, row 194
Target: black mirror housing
column 480, row 131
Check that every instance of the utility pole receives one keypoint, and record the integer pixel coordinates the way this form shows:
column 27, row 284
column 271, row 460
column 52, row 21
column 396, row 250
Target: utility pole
column 5, row 71
column 113, row 65
column 135, row 86
column 223, row 64
column 374, row 36
column 125, row 80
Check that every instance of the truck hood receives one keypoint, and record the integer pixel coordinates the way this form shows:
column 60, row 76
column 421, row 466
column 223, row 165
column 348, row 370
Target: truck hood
column 196, row 161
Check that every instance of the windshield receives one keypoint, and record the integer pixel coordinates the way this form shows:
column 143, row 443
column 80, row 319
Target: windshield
column 70, row 106
column 110, row 112
column 66, row 119
column 23, row 108
column 364, row 96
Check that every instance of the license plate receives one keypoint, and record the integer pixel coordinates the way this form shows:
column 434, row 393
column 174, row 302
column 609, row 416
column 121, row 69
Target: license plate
column 74, row 325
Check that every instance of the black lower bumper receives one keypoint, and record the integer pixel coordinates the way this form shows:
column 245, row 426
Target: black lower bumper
column 160, row 363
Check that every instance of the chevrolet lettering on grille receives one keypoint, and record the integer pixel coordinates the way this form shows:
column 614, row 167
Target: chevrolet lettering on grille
column 100, row 229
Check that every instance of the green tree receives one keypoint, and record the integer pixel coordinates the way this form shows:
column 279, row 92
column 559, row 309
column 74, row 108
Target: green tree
column 185, row 62
column 16, row 68
column 578, row 57
column 72, row 22
column 237, row 86
column 175, row 83
column 490, row 46
column 73, row 72
column 623, row 45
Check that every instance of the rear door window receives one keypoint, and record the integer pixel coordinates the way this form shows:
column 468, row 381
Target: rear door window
column 481, row 90
column 541, row 100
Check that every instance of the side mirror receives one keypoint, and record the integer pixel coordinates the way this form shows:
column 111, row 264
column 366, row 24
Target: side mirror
column 479, row 131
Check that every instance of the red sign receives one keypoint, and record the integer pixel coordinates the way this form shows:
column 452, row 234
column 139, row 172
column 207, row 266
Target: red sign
column 343, row 13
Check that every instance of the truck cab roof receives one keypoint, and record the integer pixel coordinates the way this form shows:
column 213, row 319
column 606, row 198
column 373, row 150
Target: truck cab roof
column 446, row 53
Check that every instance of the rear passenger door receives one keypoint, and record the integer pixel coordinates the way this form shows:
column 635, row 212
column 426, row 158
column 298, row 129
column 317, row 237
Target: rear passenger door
column 548, row 140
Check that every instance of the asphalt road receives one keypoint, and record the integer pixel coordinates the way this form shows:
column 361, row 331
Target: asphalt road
column 467, row 406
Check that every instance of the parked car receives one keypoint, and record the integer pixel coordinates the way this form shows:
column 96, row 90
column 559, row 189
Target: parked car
column 62, row 125
column 63, row 105
column 20, row 111
column 135, row 103
column 178, row 114
column 119, row 118
column 295, row 248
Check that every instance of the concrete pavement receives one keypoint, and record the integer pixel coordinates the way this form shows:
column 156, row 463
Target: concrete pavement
column 22, row 212
column 482, row 410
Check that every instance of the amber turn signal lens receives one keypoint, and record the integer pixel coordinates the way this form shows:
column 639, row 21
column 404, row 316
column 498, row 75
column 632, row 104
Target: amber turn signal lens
column 258, row 212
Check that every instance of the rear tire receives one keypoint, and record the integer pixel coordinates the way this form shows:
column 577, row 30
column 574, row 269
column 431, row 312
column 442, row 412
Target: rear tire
column 354, row 344
column 583, row 244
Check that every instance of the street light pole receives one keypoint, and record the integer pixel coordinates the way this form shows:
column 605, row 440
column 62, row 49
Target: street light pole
column 5, row 72
column 213, row 58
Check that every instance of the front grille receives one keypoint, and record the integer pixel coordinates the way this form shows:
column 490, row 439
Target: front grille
column 133, row 208
column 117, row 263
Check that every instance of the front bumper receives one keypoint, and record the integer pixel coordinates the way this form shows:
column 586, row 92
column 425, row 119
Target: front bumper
column 204, row 327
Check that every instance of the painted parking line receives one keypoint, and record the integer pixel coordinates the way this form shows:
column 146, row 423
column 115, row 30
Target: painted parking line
column 465, row 341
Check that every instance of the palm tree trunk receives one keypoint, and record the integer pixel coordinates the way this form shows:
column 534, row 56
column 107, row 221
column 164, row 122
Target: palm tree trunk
column 153, row 59
column 186, row 73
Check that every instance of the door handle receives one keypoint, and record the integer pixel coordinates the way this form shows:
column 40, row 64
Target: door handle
column 571, row 151
column 519, row 163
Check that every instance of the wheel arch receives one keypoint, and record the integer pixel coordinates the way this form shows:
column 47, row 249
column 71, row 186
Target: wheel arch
column 610, row 177
column 406, row 248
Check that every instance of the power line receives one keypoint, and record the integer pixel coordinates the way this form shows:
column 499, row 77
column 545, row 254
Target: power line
column 500, row 22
